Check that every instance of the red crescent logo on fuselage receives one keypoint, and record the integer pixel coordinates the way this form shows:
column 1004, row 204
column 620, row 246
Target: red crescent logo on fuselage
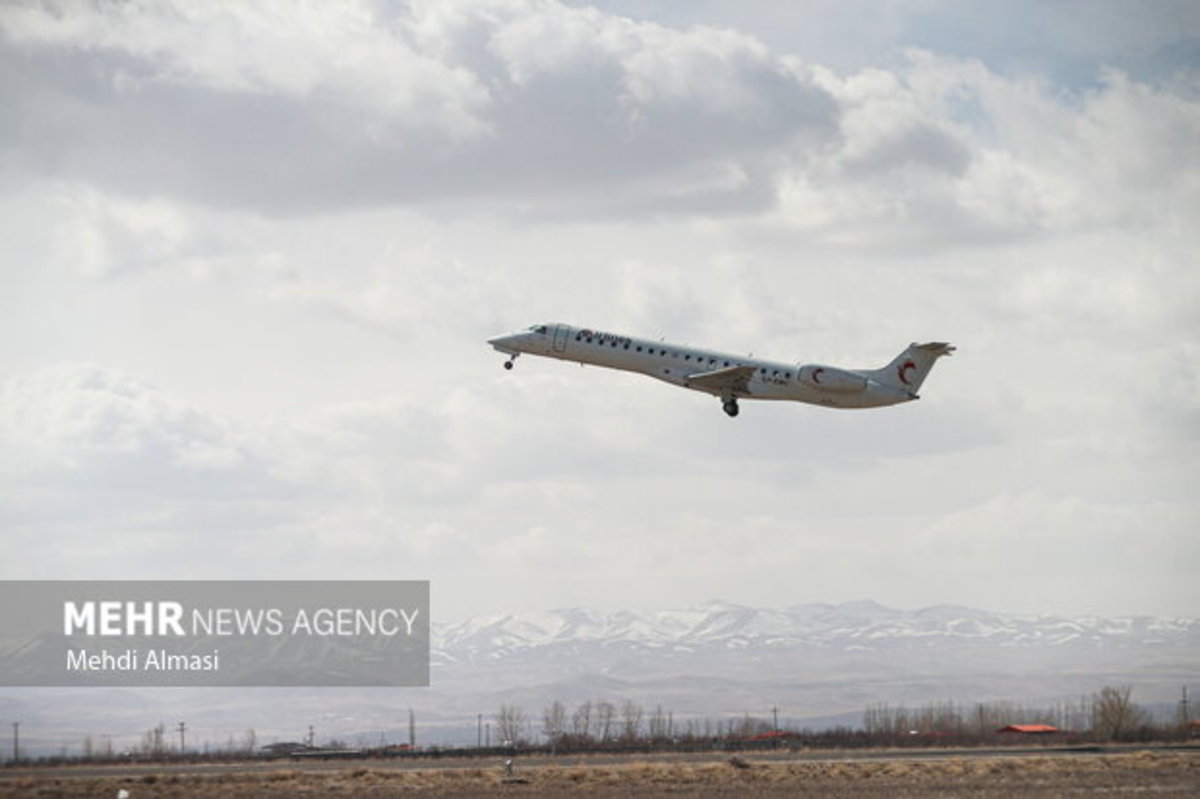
column 903, row 372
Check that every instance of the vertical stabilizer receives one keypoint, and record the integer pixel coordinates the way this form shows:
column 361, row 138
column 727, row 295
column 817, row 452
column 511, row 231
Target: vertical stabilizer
column 910, row 368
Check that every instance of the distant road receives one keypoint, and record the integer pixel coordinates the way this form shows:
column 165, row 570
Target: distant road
column 420, row 762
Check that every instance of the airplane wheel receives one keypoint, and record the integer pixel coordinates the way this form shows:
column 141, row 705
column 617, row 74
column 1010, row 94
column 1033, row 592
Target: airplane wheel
column 508, row 364
column 731, row 408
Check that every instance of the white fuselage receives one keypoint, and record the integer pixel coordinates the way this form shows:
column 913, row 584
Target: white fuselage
column 721, row 374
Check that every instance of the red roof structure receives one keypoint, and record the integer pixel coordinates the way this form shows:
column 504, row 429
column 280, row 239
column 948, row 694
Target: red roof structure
column 1029, row 729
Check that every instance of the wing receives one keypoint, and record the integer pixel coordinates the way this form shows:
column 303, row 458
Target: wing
column 732, row 380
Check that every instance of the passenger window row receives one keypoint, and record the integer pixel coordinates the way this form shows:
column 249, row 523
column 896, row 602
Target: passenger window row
column 663, row 353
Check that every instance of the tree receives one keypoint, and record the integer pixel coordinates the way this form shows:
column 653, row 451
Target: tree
column 554, row 722
column 659, row 725
column 152, row 742
column 581, row 722
column 748, row 727
column 1113, row 714
column 885, row 721
column 631, row 720
column 510, row 724
column 605, row 713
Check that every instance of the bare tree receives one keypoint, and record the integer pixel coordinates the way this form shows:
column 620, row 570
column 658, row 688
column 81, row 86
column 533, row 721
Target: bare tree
column 884, row 720
column 605, row 713
column 748, row 727
column 659, row 725
column 510, row 724
column 581, row 722
column 631, row 720
column 152, row 742
column 554, row 722
column 1113, row 713
column 943, row 717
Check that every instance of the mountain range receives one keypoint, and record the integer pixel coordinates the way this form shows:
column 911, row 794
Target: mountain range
column 814, row 664
column 862, row 625
column 819, row 660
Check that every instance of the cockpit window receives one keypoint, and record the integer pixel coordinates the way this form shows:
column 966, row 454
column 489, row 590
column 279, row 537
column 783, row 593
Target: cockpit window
column 539, row 329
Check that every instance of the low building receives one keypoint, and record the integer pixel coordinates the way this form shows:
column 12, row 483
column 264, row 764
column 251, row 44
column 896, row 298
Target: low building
column 284, row 749
column 1029, row 729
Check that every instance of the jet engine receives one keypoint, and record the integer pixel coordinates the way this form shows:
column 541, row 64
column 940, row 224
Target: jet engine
column 830, row 378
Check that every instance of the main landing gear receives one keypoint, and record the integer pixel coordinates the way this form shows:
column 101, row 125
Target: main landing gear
column 731, row 406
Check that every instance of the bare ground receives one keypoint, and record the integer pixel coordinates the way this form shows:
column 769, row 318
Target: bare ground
column 1130, row 774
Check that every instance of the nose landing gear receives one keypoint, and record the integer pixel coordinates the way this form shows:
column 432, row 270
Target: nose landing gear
column 509, row 363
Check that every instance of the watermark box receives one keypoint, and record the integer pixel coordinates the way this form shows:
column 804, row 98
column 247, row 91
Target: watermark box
column 214, row 633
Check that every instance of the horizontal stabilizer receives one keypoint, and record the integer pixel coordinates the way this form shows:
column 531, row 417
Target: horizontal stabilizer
column 936, row 348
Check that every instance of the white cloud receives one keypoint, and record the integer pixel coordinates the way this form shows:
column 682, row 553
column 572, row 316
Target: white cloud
column 101, row 236
column 282, row 108
column 300, row 51
column 83, row 417
column 283, row 234
column 946, row 150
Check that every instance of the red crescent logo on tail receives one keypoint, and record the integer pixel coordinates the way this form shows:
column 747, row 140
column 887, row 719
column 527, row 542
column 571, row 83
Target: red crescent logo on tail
column 902, row 372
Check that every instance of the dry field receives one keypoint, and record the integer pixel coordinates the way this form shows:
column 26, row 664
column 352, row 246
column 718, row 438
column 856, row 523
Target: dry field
column 1112, row 775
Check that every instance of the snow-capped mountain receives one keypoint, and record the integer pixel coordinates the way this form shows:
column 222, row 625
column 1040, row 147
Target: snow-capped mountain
column 815, row 659
column 849, row 626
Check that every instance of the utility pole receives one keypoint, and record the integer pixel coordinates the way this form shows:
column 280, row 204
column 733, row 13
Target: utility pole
column 478, row 730
column 16, row 741
column 775, row 717
column 310, row 736
column 412, row 730
column 182, row 727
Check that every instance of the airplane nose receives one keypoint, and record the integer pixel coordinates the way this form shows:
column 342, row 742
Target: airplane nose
column 510, row 343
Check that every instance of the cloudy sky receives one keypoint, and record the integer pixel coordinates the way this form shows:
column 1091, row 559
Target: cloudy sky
column 250, row 254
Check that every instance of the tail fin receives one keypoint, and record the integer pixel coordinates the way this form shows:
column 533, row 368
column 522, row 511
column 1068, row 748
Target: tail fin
column 910, row 368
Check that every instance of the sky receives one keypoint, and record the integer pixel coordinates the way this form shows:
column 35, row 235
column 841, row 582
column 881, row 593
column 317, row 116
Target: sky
column 250, row 255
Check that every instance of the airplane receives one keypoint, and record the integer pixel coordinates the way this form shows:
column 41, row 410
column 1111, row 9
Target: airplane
column 730, row 377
